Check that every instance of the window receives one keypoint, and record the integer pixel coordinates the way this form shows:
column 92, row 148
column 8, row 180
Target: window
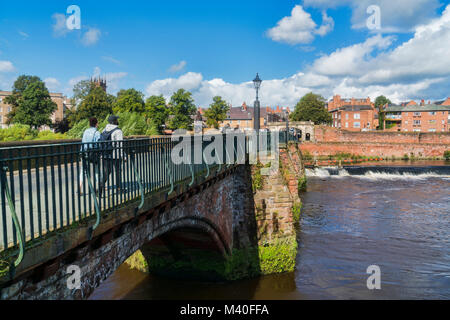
column 432, row 113
column 1, row 119
column 346, row 124
column 357, row 116
column 1, row 99
column 9, row 109
column 356, row 124
column 432, row 121
column 416, row 130
column 339, row 116
column 346, row 116
column 417, row 122
column 431, row 130
column 406, row 122
column 417, row 114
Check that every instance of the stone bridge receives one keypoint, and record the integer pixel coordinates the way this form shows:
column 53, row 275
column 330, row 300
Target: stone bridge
column 226, row 224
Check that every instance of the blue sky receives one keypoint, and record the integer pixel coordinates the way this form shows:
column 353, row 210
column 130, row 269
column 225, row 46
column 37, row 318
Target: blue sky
column 215, row 48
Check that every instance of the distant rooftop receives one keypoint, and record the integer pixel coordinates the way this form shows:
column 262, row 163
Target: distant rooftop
column 417, row 108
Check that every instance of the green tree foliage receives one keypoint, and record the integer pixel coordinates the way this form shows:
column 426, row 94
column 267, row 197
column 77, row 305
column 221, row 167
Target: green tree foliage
column 182, row 109
column 157, row 112
column 311, row 108
column 81, row 90
column 16, row 99
column 131, row 123
column 129, row 100
column 95, row 104
column 217, row 112
column 31, row 103
column 379, row 103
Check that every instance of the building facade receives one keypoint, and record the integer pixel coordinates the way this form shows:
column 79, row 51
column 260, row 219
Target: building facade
column 337, row 102
column 355, row 118
column 242, row 117
column 418, row 118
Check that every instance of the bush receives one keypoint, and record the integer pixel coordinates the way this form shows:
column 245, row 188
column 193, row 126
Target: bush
column 131, row 123
column 18, row 132
column 49, row 135
column 447, row 155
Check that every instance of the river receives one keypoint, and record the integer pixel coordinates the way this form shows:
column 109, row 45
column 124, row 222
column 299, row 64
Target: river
column 392, row 215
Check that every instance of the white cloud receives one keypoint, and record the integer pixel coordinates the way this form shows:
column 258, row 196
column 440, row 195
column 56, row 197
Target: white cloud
column 167, row 87
column 178, row 67
column 299, row 27
column 396, row 15
column 415, row 69
column 52, row 84
column 111, row 59
column 7, row 66
column 23, row 34
column 91, row 37
column 59, row 27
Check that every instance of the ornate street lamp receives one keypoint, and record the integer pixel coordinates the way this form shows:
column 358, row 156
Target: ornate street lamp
column 256, row 113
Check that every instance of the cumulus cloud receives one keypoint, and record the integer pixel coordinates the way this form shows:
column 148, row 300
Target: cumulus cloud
column 52, row 84
column 396, row 16
column 59, row 26
column 178, row 67
column 7, row 66
column 415, row 69
column 91, row 37
column 299, row 27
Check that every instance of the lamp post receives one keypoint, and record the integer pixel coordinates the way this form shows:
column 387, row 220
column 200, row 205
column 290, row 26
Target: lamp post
column 256, row 113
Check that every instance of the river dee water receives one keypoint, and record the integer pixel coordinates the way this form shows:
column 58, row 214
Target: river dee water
column 395, row 217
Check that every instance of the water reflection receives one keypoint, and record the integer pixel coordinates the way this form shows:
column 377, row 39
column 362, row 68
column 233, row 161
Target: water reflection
column 347, row 224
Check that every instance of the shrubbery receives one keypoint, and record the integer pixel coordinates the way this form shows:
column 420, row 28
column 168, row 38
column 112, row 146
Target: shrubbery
column 131, row 123
column 22, row 132
column 447, row 155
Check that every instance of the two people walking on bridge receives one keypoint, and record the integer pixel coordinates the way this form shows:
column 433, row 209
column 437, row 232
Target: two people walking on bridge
column 106, row 146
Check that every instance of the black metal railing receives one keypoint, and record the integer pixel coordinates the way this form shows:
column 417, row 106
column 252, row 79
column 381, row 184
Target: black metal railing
column 46, row 188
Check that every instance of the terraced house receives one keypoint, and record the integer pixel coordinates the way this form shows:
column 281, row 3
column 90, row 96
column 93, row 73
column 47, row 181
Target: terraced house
column 419, row 118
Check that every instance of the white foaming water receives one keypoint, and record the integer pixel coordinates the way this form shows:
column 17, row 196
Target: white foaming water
column 324, row 172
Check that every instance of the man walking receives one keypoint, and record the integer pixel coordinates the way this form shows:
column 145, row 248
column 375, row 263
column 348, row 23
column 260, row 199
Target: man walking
column 89, row 153
column 111, row 141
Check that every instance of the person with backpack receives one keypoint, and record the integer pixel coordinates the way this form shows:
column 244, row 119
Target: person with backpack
column 111, row 145
column 89, row 148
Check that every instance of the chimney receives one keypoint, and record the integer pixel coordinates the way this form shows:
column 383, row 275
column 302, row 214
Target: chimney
column 422, row 102
column 244, row 106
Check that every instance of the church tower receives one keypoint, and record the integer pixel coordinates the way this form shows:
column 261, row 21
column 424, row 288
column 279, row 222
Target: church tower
column 99, row 82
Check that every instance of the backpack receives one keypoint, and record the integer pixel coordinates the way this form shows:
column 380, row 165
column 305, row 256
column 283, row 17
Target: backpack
column 106, row 146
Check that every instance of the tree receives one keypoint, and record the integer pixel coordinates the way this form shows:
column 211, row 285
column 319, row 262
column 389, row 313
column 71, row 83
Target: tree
column 379, row 103
column 217, row 112
column 129, row 100
column 95, row 104
column 19, row 87
column 81, row 90
column 182, row 109
column 311, row 108
column 157, row 111
column 32, row 106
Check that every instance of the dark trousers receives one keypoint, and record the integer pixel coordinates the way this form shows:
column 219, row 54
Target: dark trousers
column 108, row 166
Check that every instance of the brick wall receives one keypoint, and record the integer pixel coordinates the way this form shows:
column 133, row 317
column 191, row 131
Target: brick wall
column 330, row 141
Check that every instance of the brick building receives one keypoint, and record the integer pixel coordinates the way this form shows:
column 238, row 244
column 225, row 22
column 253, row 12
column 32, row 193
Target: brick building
column 337, row 102
column 242, row 117
column 419, row 118
column 62, row 102
column 355, row 118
